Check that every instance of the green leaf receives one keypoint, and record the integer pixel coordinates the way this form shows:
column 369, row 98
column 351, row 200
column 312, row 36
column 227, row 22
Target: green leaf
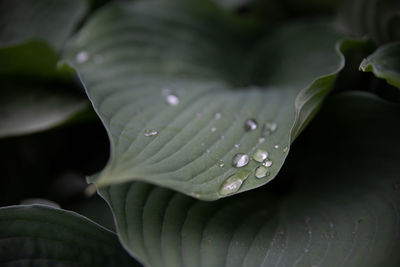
column 51, row 21
column 336, row 204
column 137, row 60
column 43, row 236
column 385, row 63
column 377, row 19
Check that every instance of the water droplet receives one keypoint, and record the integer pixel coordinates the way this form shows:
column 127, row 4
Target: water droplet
column 172, row 99
column 237, row 145
column 240, row 160
column 218, row 115
column 98, row 59
column 261, row 140
column 208, row 150
column 267, row 163
column 276, row 146
column 285, row 149
column 221, row 163
column 234, row 182
column 150, row 132
column 269, row 127
column 306, row 250
column 213, row 129
column 261, row 172
column 82, row 57
column 250, row 125
column 222, row 137
column 260, row 155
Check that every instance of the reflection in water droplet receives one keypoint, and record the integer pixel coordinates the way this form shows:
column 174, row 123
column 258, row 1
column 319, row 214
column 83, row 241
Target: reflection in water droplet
column 82, row 57
column 150, row 132
column 267, row 163
column 240, row 160
column 221, row 163
column 213, row 129
column 218, row 115
column 234, row 182
column 276, row 146
column 285, row 149
column 269, row 127
column 237, row 145
column 260, row 155
column 250, row 125
column 261, row 172
column 261, row 140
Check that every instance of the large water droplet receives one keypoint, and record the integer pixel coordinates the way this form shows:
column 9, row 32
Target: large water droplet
column 234, row 182
column 269, row 127
column 82, row 57
column 261, row 172
column 267, row 163
column 150, row 132
column 240, row 160
column 250, row 125
column 260, row 155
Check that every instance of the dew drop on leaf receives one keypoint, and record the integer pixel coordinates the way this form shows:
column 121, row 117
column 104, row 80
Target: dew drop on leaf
column 150, row 132
column 269, row 128
column 240, row 160
column 218, row 115
column 82, row 57
column 276, row 146
column 261, row 172
column 267, row 163
column 221, row 163
column 260, row 155
column 250, row 125
column 237, row 145
column 234, row 182
column 213, row 129
column 261, row 140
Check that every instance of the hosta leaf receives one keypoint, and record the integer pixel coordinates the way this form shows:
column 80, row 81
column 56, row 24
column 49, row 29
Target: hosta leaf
column 51, row 21
column 176, row 82
column 377, row 19
column 338, row 203
column 44, row 236
column 385, row 63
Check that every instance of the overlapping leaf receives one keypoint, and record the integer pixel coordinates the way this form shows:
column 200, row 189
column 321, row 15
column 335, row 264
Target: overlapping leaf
column 43, row 236
column 385, row 63
column 175, row 82
column 338, row 203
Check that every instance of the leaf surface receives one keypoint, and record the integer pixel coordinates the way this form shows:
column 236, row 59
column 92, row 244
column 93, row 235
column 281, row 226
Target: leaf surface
column 51, row 21
column 336, row 204
column 43, row 236
column 385, row 63
column 176, row 82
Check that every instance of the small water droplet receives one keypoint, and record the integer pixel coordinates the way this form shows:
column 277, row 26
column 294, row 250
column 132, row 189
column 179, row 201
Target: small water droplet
column 260, row 155
column 267, row 163
column 269, row 127
column 82, row 57
column 250, row 125
column 221, row 163
column 237, row 145
column 218, row 115
column 234, row 182
column 240, row 160
column 172, row 99
column 261, row 140
column 98, row 59
column 276, row 146
column 285, row 149
column 150, row 132
column 213, row 129
column 306, row 250
column 261, row 172
column 208, row 150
